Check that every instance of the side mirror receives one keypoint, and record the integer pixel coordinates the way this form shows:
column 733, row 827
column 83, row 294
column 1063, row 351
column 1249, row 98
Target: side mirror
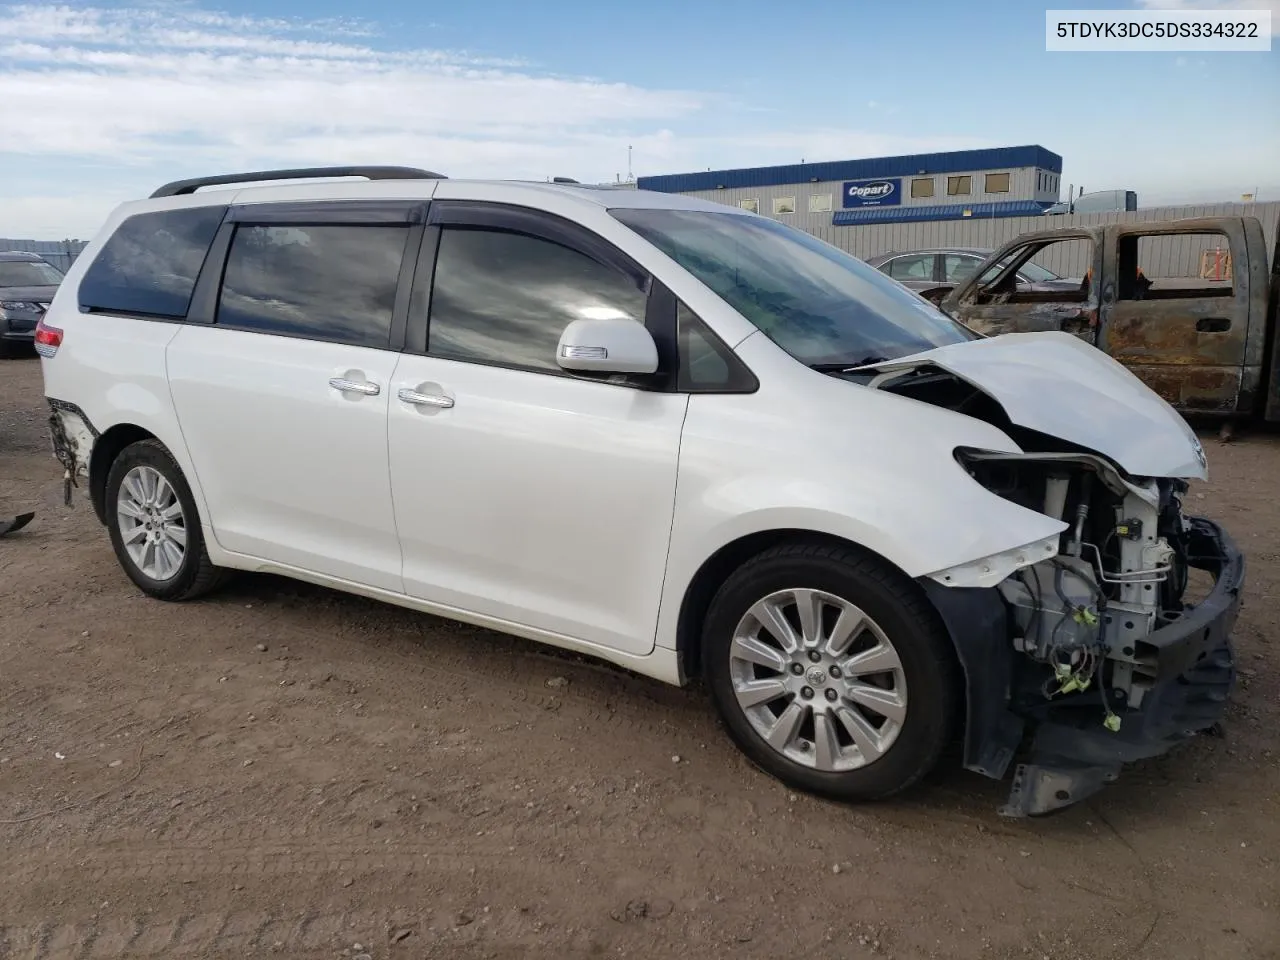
column 607, row 346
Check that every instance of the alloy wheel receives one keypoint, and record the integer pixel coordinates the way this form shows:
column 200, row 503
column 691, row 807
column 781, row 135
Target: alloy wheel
column 152, row 523
column 818, row 680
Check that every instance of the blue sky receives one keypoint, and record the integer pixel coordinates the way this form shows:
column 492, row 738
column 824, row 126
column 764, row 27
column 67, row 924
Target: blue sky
column 103, row 101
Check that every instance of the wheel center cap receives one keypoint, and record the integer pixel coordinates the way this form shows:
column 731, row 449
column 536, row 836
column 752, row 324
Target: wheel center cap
column 816, row 677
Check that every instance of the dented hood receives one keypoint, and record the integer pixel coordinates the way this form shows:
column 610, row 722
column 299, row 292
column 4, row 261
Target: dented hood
column 1057, row 384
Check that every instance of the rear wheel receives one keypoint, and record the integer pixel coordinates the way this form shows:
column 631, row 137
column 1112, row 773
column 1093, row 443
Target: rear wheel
column 154, row 527
column 830, row 671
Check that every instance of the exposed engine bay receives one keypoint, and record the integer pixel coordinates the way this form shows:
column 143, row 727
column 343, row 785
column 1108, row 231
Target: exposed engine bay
column 1107, row 662
column 1120, row 574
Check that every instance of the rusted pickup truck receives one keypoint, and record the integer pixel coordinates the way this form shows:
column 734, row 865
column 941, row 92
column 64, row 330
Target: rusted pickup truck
column 1190, row 306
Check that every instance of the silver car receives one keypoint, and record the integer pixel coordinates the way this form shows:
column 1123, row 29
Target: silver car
column 936, row 271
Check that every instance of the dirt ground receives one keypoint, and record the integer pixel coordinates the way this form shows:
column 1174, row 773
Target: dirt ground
column 283, row 770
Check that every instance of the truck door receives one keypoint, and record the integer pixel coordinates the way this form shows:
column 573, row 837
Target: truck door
column 1176, row 311
column 1061, row 295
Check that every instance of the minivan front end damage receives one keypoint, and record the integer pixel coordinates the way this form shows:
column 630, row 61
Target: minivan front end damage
column 1100, row 657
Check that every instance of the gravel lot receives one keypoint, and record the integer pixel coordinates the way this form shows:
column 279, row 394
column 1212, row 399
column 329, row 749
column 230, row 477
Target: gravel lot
column 283, row 770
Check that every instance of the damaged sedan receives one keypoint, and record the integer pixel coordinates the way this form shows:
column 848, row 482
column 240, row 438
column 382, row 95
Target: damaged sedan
column 682, row 438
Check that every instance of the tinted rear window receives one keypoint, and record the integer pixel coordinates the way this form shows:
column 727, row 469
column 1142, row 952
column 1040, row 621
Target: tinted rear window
column 150, row 264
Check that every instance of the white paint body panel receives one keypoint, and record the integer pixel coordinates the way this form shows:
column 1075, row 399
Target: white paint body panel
column 294, row 471
column 1057, row 384
column 536, row 498
column 573, row 513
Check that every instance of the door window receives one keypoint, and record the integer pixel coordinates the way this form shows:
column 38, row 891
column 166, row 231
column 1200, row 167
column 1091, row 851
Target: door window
column 1174, row 266
column 915, row 267
column 1065, row 266
column 322, row 283
column 706, row 364
column 504, row 298
column 957, row 268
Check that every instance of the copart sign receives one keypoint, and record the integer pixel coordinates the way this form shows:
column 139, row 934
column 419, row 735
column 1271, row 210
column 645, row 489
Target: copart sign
column 885, row 192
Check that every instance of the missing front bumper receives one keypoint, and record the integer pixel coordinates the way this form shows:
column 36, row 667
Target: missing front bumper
column 1071, row 754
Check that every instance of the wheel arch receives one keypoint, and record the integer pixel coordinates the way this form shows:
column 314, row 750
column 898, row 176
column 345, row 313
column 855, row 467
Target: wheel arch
column 105, row 450
column 987, row 730
column 717, row 568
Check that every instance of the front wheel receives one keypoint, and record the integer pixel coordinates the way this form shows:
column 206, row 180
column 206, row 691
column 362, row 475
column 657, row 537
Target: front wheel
column 154, row 527
column 830, row 671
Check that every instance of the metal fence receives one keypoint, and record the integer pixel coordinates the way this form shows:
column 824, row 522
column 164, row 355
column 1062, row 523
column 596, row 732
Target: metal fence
column 1167, row 257
column 61, row 253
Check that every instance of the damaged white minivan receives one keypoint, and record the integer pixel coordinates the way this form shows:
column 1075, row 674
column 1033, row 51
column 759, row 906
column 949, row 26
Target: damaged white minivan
column 664, row 432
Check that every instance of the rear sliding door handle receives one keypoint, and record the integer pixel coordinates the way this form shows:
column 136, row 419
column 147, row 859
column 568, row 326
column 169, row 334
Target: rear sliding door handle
column 355, row 386
column 425, row 399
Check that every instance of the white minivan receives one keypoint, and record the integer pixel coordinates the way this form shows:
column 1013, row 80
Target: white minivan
column 675, row 435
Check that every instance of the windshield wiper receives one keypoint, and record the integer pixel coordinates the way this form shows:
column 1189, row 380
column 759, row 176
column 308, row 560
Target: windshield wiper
column 848, row 365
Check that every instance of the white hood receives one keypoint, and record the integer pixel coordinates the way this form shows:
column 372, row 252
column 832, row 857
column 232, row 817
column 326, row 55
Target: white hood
column 1059, row 385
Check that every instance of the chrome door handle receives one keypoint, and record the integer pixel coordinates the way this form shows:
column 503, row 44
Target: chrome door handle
column 355, row 386
column 425, row 399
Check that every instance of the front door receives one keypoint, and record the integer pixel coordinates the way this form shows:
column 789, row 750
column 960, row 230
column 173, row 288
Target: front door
column 522, row 493
column 283, row 400
column 994, row 301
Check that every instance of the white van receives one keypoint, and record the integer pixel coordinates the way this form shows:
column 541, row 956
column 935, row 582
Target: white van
column 671, row 434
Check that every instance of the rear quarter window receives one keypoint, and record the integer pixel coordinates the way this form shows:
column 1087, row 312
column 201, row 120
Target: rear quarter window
column 150, row 264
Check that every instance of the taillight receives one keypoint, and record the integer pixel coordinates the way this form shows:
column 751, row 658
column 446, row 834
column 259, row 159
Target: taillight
column 48, row 339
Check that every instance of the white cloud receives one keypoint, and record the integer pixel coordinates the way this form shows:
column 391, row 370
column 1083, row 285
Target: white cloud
column 135, row 96
column 1272, row 5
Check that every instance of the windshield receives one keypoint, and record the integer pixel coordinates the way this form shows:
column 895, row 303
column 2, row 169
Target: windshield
column 1036, row 273
column 28, row 273
column 820, row 304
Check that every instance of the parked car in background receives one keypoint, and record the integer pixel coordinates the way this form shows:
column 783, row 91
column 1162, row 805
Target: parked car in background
column 667, row 433
column 934, row 272
column 1100, row 201
column 27, row 285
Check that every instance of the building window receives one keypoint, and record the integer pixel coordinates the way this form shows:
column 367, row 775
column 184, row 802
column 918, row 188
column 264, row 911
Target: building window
column 784, row 205
column 997, row 183
column 959, row 186
column 820, row 203
column 922, row 187
column 752, row 204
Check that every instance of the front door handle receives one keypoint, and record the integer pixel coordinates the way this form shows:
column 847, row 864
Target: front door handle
column 355, row 386
column 425, row 399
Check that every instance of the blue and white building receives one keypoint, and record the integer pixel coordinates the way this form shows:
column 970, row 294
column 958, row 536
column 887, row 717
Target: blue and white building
column 962, row 184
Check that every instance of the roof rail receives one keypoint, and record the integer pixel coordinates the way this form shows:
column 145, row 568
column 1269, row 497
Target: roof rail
column 179, row 187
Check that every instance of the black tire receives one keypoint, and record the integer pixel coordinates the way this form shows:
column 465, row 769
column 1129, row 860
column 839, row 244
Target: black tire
column 927, row 658
column 196, row 575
